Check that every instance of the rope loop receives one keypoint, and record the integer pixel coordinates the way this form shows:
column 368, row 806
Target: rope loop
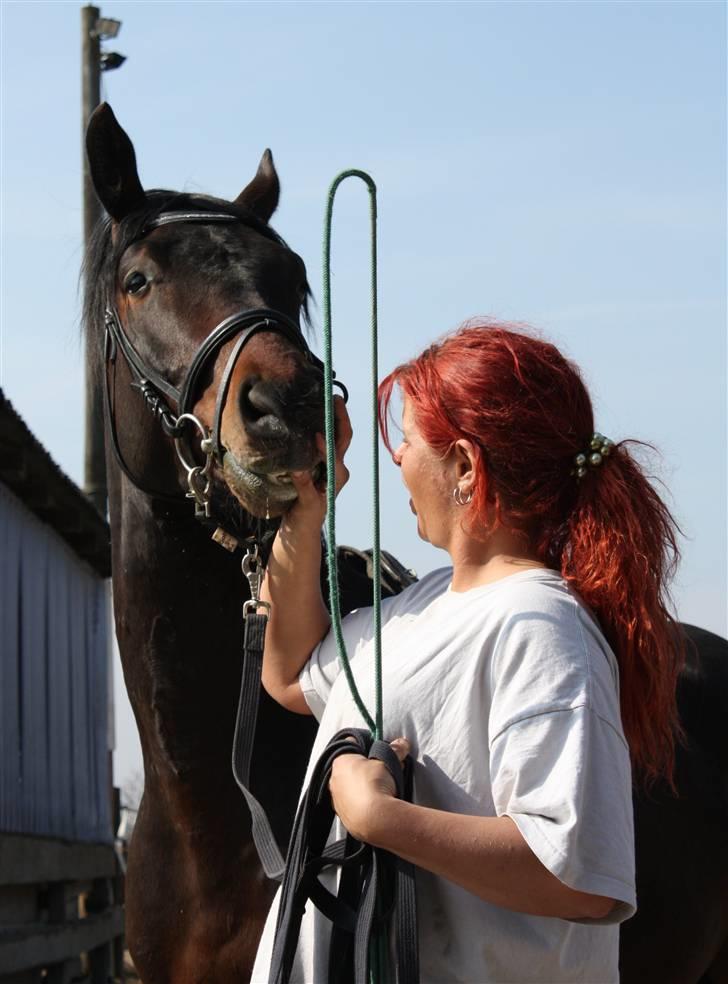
column 375, row 724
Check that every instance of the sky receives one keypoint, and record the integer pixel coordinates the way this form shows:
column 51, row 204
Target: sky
column 561, row 165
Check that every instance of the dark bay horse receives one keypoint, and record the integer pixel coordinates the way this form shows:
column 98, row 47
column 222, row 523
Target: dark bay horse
column 168, row 271
column 164, row 270
column 679, row 934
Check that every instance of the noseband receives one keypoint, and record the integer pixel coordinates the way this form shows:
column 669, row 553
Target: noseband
column 159, row 393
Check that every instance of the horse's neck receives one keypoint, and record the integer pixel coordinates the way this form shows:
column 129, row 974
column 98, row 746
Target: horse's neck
column 178, row 607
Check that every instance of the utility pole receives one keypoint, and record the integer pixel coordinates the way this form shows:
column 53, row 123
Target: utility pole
column 94, row 464
column 93, row 29
column 107, row 960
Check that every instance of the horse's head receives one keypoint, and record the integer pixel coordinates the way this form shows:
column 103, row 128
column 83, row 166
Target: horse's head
column 180, row 279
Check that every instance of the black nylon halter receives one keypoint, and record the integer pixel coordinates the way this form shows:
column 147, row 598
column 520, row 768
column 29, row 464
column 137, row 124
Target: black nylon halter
column 158, row 392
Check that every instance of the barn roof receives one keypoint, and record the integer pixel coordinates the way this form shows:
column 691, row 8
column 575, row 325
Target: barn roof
column 32, row 475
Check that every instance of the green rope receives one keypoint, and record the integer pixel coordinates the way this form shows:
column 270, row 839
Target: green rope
column 374, row 725
column 378, row 947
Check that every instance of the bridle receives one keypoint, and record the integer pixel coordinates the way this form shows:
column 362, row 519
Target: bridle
column 160, row 396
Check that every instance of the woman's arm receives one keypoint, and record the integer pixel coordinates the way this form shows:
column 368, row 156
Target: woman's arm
column 292, row 585
column 298, row 619
column 488, row 856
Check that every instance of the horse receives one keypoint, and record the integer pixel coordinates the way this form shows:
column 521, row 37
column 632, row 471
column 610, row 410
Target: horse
column 161, row 272
column 679, row 934
column 193, row 306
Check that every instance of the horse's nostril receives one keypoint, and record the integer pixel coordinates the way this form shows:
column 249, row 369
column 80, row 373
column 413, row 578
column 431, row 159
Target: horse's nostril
column 261, row 408
column 257, row 399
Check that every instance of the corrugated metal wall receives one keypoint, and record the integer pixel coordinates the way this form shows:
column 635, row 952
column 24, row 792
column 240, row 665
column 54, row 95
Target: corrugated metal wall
column 54, row 666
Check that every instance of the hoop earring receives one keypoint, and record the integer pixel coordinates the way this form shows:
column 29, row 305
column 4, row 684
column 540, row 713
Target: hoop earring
column 461, row 499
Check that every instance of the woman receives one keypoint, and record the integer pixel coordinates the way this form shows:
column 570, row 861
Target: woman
column 513, row 676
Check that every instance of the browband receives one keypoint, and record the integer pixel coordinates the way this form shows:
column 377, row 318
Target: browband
column 167, row 218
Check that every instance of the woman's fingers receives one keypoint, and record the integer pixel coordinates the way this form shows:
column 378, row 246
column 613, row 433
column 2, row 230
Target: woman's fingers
column 342, row 472
column 343, row 429
column 310, row 505
column 307, row 491
column 358, row 782
column 401, row 747
column 342, row 476
column 344, row 434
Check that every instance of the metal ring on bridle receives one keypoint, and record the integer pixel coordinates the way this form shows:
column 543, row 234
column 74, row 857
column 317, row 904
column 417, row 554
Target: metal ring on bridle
column 204, row 436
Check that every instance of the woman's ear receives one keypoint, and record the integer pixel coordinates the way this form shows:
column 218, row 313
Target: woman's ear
column 465, row 462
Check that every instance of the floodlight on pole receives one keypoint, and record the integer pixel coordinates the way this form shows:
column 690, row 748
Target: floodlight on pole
column 106, row 28
column 109, row 60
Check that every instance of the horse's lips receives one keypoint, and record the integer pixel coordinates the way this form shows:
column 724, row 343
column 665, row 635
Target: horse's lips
column 277, row 486
column 274, row 487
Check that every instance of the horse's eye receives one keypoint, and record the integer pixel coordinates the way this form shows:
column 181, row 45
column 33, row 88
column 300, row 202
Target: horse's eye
column 135, row 283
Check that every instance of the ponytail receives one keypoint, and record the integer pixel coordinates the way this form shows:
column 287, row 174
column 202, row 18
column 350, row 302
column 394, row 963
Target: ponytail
column 619, row 554
column 525, row 409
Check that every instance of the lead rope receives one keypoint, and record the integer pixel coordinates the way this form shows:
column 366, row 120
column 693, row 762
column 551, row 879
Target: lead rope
column 378, row 946
column 374, row 725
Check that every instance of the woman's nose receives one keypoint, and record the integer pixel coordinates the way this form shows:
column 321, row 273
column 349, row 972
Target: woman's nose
column 397, row 456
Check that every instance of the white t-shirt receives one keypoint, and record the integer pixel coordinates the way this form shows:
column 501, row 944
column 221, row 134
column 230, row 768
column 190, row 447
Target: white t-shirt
column 509, row 695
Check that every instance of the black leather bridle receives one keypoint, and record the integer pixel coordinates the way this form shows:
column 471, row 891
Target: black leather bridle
column 172, row 406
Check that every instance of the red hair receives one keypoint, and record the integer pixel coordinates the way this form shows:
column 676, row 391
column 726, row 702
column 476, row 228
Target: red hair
column 527, row 412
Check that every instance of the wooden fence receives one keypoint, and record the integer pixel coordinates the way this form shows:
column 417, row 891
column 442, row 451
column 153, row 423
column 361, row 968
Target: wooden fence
column 61, row 912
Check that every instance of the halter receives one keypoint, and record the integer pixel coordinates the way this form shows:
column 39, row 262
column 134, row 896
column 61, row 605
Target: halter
column 158, row 392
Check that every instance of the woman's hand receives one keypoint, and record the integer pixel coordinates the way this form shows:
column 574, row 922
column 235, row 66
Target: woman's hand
column 309, row 509
column 361, row 787
column 292, row 581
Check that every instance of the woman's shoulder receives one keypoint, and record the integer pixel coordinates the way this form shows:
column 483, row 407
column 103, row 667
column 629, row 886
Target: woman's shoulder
column 539, row 594
column 542, row 600
column 536, row 591
column 547, row 630
column 412, row 601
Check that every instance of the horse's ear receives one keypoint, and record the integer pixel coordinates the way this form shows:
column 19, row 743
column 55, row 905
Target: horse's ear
column 113, row 164
column 261, row 195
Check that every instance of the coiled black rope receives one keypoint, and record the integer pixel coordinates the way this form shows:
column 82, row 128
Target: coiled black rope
column 367, row 874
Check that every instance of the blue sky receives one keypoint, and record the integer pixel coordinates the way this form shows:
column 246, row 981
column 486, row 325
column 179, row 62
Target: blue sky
column 559, row 164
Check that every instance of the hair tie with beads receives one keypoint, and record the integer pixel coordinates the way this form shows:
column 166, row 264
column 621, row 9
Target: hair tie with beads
column 600, row 447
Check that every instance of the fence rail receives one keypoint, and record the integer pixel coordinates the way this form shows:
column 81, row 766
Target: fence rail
column 61, row 912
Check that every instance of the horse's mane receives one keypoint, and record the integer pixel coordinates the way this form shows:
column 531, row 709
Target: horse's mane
column 103, row 253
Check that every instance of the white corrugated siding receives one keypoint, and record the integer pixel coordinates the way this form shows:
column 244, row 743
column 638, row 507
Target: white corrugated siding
column 54, row 708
